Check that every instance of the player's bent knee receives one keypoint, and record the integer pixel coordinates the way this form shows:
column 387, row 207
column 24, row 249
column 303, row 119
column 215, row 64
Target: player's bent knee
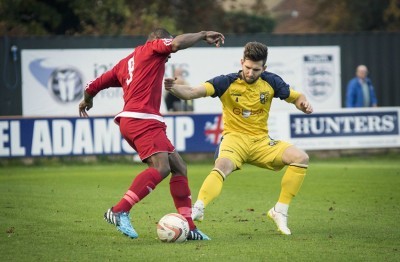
column 303, row 158
column 179, row 167
column 294, row 155
column 164, row 171
column 300, row 159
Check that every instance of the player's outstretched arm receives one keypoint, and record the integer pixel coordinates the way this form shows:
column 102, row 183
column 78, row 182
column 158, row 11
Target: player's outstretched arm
column 187, row 40
column 104, row 81
column 184, row 92
column 303, row 105
column 85, row 105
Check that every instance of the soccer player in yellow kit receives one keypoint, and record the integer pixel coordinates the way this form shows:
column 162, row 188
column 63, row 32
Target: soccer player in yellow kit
column 246, row 99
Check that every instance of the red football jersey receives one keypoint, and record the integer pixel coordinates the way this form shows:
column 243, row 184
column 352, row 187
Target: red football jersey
column 140, row 74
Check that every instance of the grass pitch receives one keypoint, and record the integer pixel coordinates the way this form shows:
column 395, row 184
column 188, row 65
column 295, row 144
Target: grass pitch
column 347, row 210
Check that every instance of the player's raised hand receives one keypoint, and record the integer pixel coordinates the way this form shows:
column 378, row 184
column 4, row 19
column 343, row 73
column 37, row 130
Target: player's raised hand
column 215, row 38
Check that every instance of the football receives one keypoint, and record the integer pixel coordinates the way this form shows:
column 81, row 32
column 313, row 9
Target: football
column 173, row 227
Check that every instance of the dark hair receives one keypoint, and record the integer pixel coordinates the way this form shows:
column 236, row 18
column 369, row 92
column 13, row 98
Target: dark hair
column 255, row 51
column 159, row 33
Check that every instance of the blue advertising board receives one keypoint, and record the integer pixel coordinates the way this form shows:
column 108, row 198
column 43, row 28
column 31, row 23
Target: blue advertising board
column 198, row 133
column 71, row 136
column 379, row 123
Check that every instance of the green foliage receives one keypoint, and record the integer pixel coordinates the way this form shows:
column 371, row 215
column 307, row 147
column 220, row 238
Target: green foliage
column 356, row 15
column 124, row 17
column 74, row 17
column 392, row 16
column 151, row 19
column 119, row 17
column 345, row 211
column 33, row 17
column 106, row 17
column 194, row 15
column 242, row 23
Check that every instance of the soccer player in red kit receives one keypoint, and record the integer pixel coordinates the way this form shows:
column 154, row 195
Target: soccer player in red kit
column 140, row 74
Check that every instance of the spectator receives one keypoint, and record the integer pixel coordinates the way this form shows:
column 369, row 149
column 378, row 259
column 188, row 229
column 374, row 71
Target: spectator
column 360, row 91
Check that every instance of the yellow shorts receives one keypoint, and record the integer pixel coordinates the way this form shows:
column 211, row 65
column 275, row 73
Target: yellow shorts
column 259, row 151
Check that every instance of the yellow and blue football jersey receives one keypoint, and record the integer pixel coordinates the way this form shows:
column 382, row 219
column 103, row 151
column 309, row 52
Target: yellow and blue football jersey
column 245, row 107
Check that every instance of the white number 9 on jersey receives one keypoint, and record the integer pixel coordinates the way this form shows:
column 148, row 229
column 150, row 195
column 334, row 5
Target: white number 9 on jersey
column 131, row 65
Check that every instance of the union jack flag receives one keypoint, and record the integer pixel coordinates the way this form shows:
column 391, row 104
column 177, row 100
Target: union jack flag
column 213, row 131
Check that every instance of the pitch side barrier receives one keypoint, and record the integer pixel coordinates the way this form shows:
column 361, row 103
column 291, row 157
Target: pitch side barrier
column 199, row 133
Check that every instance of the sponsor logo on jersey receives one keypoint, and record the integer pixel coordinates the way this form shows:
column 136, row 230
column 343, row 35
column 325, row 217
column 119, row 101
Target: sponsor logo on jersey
column 344, row 124
column 247, row 112
column 263, row 97
column 273, row 142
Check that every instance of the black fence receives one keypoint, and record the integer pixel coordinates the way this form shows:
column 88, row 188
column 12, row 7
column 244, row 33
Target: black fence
column 379, row 51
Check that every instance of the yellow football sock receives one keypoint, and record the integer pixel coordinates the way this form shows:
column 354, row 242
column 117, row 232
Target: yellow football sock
column 211, row 187
column 291, row 182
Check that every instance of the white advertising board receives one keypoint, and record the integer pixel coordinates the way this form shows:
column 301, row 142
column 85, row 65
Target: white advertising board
column 53, row 79
column 347, row 128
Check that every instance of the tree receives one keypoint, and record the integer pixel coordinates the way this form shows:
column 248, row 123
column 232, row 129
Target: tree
column 123, row 17
column 242, row 23
column 356, row 15
column 391, row 15
column 76, row 17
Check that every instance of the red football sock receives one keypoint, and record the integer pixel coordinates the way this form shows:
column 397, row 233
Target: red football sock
column 179, row 188
column 141, row 186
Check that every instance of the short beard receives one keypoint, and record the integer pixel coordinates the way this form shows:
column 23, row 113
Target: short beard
column 247, row 81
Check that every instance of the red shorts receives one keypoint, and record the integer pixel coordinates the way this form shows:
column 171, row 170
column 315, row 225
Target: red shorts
column 146, row 136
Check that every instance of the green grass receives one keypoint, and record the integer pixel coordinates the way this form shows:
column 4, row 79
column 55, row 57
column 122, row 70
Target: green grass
column 347, row 210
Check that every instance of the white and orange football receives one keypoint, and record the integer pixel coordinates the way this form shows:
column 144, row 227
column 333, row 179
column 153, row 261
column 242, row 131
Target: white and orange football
column 173, row 227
